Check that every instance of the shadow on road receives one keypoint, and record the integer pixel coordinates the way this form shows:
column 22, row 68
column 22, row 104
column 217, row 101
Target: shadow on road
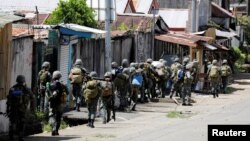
column 51, row 138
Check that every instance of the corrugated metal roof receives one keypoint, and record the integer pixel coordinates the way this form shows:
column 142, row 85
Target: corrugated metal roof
column 138, row 22
column 8, row 18
column 175, row 18
column 143, row 6
column 225, row 34
column 96, row 33
column 183, row 39
column 121, row 6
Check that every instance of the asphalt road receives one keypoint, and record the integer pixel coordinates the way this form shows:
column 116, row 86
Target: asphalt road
column 151, row 123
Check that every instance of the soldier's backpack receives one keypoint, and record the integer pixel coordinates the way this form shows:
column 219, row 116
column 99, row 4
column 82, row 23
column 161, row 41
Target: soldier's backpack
column 43, row 76
column 137, row 79
column 64, row 94
column 91, row 90
column 107, row 88
column 120, row 80
column 214, row 72
column 181, row 75
column 76, row 75
column 225, row 70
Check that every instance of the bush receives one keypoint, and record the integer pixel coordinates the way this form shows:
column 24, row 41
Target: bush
column 240, row 59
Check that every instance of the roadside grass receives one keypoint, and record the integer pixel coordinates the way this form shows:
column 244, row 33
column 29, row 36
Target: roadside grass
column 47, row 127
column 106, row 136
column 179, row 114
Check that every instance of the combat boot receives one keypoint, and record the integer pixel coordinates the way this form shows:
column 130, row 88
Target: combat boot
column 92, row 123
column 89, row 122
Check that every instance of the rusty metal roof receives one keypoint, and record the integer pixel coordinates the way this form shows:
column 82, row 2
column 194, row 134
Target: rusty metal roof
column 8, row 18
column 218, row 11
column 137, row 22
column 183, row 39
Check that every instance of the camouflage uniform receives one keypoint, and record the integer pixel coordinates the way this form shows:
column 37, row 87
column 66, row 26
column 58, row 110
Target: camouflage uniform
column 92, row 103
column 107, row 97
column 55, row 101
column 186, row 87
column 195, row 73
column 44, row 77
column 135, row 86
column 225, row 73
column 175, row 83
column 77, row 87
column 214, row 81
column 17, row 105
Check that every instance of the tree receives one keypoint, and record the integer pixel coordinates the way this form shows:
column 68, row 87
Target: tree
column 245, row 22
column 73, row 11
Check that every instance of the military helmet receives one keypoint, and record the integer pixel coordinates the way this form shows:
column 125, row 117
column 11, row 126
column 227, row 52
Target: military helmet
column 209, row 63
column 132, row 69
column 93, row 74
column 178, row 66
column 149, row 60
column 46, row 64
column 126, row 71
column 214, row 62
column 165, row 63
column 20, row 79
column 132, row 64
column 114, row 65
column 78, row 62
column 161, row 60
column 108, row 74
column 224, row 61
column 56, row 75
column 189, row 66
column 125, row 63
column 176, row 59
column 186, row 60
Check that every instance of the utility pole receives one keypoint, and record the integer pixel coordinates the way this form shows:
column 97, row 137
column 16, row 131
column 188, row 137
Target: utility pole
column 153, row 34
column 108, row 37
column 193, row 16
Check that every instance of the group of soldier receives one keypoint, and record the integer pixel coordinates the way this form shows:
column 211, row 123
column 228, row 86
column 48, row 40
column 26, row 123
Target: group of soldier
column 119, row 89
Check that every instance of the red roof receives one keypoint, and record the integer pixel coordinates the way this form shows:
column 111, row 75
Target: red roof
column 16, row 32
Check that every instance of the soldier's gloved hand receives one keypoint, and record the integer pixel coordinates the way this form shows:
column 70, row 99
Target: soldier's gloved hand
column 54, row 93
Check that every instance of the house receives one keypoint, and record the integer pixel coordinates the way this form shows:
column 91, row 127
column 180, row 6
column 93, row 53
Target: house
column 175, row 23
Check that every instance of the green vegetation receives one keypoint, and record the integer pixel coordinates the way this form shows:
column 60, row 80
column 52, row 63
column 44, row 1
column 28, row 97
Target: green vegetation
column 178, row 114
column 47, row 127
column 73, row 11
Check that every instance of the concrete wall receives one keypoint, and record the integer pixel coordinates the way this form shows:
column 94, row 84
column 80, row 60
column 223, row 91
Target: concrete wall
column 22, row 49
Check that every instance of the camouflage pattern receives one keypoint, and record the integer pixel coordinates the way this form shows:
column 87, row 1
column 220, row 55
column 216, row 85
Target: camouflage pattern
column 186, row 88
column 19, row 101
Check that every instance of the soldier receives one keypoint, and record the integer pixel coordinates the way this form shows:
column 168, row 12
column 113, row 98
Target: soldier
column 57, row 90
column 142, row 88
column 225, row 73
column 125, row 64
column 76, row 77
column 92, row 92
column 136, row 83
column 44, row 77
column 174, row 69
column 18, row 100
column 107, row 97
column 151, row 75
column 167, row 74
column 213, row 76
column 186, row 87
column 121, row 83
column 195, row 73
